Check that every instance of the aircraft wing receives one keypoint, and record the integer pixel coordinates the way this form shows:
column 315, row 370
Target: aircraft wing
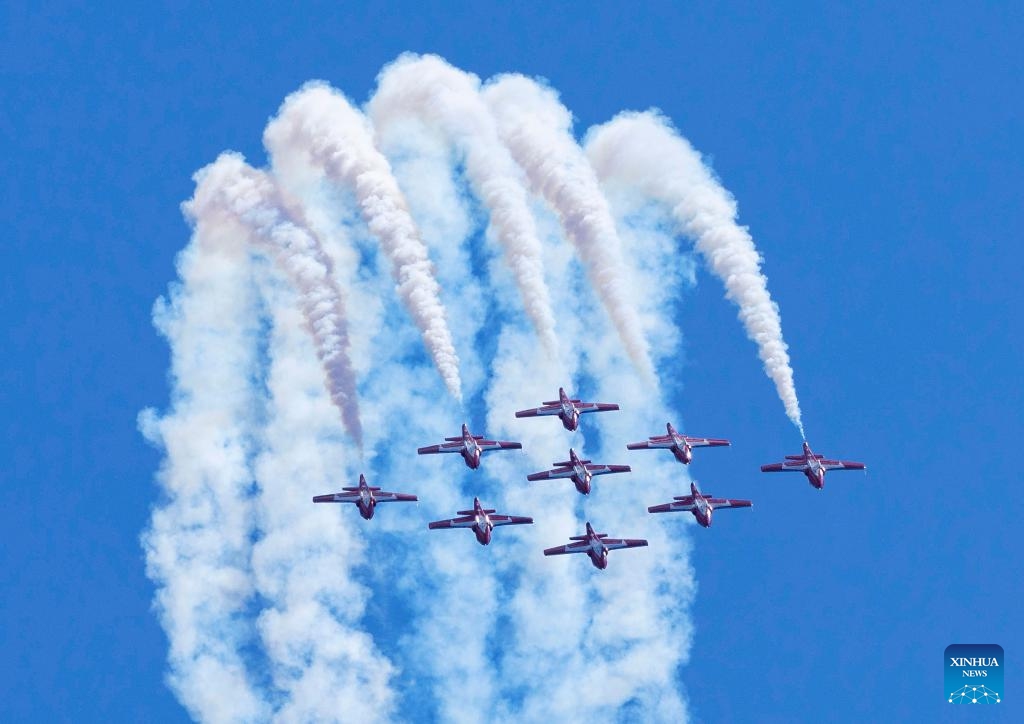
column 499, row 445
column 466, row 521
column 382, row 496
column 684, row 503
column 790, row 466
column 842, row 465
column 705, row 441
column 658, row 442
column 720, row 503
column 605, row 469
column 447, row 447
column 540, row 411
column 578, row 547
column 337, row 498
column 510, row 520
column 595, row 406
column 551, row 474
column 613, row 543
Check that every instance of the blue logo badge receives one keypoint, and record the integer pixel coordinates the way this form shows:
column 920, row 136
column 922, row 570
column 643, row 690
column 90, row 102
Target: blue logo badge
column 974, row 674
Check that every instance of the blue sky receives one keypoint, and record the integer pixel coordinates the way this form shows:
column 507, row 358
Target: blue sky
column 876, row 156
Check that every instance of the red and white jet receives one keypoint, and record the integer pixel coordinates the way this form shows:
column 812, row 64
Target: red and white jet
column 698, row 503
column 481, row 520
column 680, row 445
column 579, row 471
column 595, row 545
column 469, row 446
column 567, row 409
column 811, row 465
column 365, row 497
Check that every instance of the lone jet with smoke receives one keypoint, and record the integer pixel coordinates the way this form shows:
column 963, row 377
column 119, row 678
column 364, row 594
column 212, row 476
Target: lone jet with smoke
column 680, row 445
column 595, row 545
column 580, row 472
column 700, row 504
column 480, row 520
column 471, row 447
column 365, row 497
column 568, row 409
column 811, row 465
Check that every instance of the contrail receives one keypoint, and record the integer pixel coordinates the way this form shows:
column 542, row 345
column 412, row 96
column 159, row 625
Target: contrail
column 567, row 624
column 316, row 126
column 643, row 150
column 199, row 541
column 536, row 127
column 323, row 663
column 253, row 197
column 448, row 99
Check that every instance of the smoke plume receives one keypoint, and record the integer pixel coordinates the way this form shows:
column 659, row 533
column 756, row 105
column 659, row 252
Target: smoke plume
column 428, row 89
column 644, row 151
column 230, row 186
column 316, row 127
column 536, row 127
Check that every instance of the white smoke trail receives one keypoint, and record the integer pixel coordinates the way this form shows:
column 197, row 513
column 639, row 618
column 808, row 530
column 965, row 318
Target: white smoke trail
column 252, row 197
column 536, row 127
column 448, row 99
column 583, row 644
column 198, row 543
column 643, row 150
column 456, row 604
column 324, row 666
column 318, row 129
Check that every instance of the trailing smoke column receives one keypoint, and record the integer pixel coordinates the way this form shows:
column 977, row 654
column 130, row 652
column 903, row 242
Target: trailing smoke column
column 317, row 129
column 642, row 150
column 446, row 98
column 536, row 129
column 252, row 197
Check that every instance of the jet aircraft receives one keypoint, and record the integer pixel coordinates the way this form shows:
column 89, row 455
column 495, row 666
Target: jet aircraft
column 365, row 497
column 680, row 445
column 481, row 520
column 595, row 545
column 811, row 465
column 579, row 471
column 469, row 446
column 698, row 503
column 567, row 409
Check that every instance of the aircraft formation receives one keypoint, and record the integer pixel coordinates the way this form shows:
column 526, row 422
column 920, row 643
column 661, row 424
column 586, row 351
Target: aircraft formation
column 581, row 472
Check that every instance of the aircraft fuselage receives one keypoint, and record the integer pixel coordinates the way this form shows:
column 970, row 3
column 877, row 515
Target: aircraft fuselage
column 681, row 449
column 581, row 478
column 815, row 473
column 471, row 453
column 366, row 502
column 702, row 510
column 598, row 554
column 482, row 527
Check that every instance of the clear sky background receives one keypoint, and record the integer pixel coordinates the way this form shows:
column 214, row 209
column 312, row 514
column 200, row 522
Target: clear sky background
column 876, row 155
